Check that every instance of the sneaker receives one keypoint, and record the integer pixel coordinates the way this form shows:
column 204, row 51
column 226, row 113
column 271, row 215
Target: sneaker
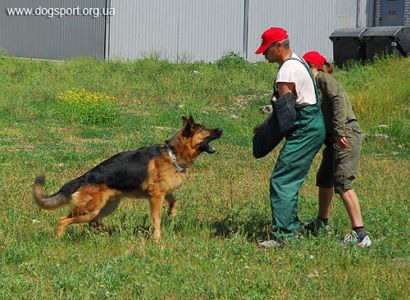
column 353, row 238
column 314, row 227
column 270, row 244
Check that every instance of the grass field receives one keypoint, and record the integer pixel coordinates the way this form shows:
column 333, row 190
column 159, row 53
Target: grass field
column 61, row 119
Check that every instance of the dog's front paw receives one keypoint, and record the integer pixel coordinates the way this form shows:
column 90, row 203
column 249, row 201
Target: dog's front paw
column 172, row 214
column 156, row 236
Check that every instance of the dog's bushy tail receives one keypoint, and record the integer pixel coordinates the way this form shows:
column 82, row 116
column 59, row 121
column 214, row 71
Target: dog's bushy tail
column 47, row 202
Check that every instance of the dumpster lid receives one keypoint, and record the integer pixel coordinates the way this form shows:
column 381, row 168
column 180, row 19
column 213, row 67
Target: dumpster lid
column 347, row 32
column 384, row 31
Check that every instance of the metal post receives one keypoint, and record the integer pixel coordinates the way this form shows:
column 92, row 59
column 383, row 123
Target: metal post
column 245, row 28
column 107, row 43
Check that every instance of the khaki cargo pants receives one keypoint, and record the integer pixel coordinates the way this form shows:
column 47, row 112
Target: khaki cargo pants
column 339, row 166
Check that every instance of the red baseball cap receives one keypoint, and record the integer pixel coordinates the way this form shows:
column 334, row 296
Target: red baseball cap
column 270, row 36
column 315, row 58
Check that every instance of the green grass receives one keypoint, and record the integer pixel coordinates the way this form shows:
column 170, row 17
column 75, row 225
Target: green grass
column 210, row 251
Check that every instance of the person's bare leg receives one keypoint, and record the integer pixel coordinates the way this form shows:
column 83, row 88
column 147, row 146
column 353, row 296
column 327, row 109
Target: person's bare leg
column 325, row 202
column 351, row 203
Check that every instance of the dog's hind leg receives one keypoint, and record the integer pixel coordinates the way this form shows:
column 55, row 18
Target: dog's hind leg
column 88, row 202
column 155, row 203
column 65, row 221
column 172, row 206
column 109, row 207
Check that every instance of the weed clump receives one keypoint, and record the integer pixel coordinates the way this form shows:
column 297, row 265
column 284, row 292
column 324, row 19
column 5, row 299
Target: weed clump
column 89, row 108
column 232, row 60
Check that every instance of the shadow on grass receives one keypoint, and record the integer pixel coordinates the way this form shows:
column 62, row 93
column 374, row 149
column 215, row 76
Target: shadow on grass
column 254, row 227
column 85, row 231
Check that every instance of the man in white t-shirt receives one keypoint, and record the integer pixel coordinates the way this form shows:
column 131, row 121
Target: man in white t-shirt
column 303, row 141
column 295, row 74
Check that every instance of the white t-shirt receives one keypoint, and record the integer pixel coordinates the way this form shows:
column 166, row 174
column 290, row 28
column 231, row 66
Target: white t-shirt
column 294, row 71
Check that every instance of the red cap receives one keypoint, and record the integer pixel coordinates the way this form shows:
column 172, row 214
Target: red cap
column 314, row 57
column 270, row 36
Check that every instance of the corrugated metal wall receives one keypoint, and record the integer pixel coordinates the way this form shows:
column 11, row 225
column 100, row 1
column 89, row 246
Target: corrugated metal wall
column 177, row 30
column 365, row 13
column 309, row 22
column 193, row 30
column 52, row 38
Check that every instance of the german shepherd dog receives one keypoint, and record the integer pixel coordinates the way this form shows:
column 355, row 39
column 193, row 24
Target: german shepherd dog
column 151, row 172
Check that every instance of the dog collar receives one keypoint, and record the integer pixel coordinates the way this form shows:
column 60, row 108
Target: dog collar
column 174, row 161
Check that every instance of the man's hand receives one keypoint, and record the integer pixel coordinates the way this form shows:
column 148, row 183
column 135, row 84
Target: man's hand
column 342, row 141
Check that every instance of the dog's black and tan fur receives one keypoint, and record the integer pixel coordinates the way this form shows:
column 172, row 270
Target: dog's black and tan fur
column 152, row 172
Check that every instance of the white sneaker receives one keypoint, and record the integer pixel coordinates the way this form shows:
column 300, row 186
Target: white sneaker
column 353, row 238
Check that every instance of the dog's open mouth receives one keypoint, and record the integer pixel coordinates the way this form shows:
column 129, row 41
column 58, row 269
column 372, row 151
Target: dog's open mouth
column 205, row 146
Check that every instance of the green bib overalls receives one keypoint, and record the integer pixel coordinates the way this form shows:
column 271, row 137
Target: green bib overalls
column 292, row 166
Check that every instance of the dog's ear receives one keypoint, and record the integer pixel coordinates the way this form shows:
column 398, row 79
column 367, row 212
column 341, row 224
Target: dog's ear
column 187, row 126
column 184, row 121
column 187, row 120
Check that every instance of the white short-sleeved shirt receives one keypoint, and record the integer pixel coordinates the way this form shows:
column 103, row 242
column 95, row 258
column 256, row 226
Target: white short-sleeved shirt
column 294, row 71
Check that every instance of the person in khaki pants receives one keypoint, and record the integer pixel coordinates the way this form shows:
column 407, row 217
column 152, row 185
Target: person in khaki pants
column 340, row 156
